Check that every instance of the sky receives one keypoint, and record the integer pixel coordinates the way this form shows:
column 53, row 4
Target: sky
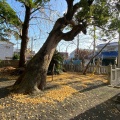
column 40, row 28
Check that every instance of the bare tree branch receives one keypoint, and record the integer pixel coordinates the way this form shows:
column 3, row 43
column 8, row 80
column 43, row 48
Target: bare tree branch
column 71, row 34
column 36, row 10
column 67, row 19
column 42, row 18
column 69, row 14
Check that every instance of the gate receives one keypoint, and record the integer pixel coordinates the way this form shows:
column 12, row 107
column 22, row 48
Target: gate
column 114, row 78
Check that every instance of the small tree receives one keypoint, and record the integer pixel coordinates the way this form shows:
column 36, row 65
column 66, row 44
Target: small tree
column 56, row 62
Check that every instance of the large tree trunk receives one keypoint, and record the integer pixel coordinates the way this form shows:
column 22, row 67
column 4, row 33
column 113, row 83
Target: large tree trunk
column 34, row 78
column 24, row 37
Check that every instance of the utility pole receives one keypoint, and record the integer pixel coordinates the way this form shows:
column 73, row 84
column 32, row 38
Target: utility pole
column 94, row 43
column 119, row 51
column 32, row 44
column 78, row 46
column 17, row 45
column 118, row 7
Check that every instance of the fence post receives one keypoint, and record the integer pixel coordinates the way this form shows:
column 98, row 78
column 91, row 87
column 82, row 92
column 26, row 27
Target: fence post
column 110, row 74
column 115, row 75
column 99, row 69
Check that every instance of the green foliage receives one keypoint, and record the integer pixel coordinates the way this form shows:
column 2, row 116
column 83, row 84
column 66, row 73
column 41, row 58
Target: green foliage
column 57, row 60
column 100, row 14
column 33, row 3
column 8, row 14
column 16, row 57
column 83, row 13
column 8, row 20
column 2, row 30
column 115, row 24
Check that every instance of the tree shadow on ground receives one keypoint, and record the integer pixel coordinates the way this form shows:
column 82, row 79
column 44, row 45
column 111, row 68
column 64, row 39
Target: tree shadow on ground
column 104, row 111
column 49, row 87
column 3, row 79
column 77, row 85
column 56, row 85
column 92, row 86
column 4, row 91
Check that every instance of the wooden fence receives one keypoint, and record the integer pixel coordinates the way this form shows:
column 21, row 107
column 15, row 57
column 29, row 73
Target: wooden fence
column 98, row 69
column 5, row 63
column 113, row 72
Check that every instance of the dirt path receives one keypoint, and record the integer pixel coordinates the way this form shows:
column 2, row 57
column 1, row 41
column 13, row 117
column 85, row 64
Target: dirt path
column 67, row 97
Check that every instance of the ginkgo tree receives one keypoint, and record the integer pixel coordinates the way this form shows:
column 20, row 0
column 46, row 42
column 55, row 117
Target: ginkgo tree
column 18, row 27
column 78, row 17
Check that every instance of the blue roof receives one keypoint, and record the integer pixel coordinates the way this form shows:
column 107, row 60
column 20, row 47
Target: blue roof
column 108, row 54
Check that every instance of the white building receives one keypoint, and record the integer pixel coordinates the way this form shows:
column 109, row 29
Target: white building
column 6, row 50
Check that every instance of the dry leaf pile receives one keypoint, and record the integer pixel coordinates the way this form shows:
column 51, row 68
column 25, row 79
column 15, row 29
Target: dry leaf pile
column 62, row 92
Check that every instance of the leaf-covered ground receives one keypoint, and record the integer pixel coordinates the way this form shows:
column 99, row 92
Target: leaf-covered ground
column 69, row 96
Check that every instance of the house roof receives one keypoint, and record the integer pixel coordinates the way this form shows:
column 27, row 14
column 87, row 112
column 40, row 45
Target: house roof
column 110, row 44
column 74, row 51
column 7, row 41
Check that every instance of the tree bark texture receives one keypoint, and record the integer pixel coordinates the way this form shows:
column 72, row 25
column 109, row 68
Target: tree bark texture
column 24, row 37
column 34, row 78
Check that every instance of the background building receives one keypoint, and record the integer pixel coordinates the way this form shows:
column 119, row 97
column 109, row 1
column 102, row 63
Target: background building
column 64, row 55
column 109, row 54
column 80, row 54
column 28, row 55
column 6, row 50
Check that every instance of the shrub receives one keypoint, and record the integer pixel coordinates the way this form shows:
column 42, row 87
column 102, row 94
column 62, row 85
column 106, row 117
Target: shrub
column 16, row 57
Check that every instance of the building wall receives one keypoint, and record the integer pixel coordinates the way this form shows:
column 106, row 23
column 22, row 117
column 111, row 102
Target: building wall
column 72, row 54
column 6, row 50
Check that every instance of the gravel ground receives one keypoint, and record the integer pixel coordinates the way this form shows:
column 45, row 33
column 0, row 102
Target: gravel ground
column 94, row 102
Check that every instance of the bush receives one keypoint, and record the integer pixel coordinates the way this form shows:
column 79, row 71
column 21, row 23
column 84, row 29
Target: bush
column 16, row 57
column 56, row 61
column 0, row 63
